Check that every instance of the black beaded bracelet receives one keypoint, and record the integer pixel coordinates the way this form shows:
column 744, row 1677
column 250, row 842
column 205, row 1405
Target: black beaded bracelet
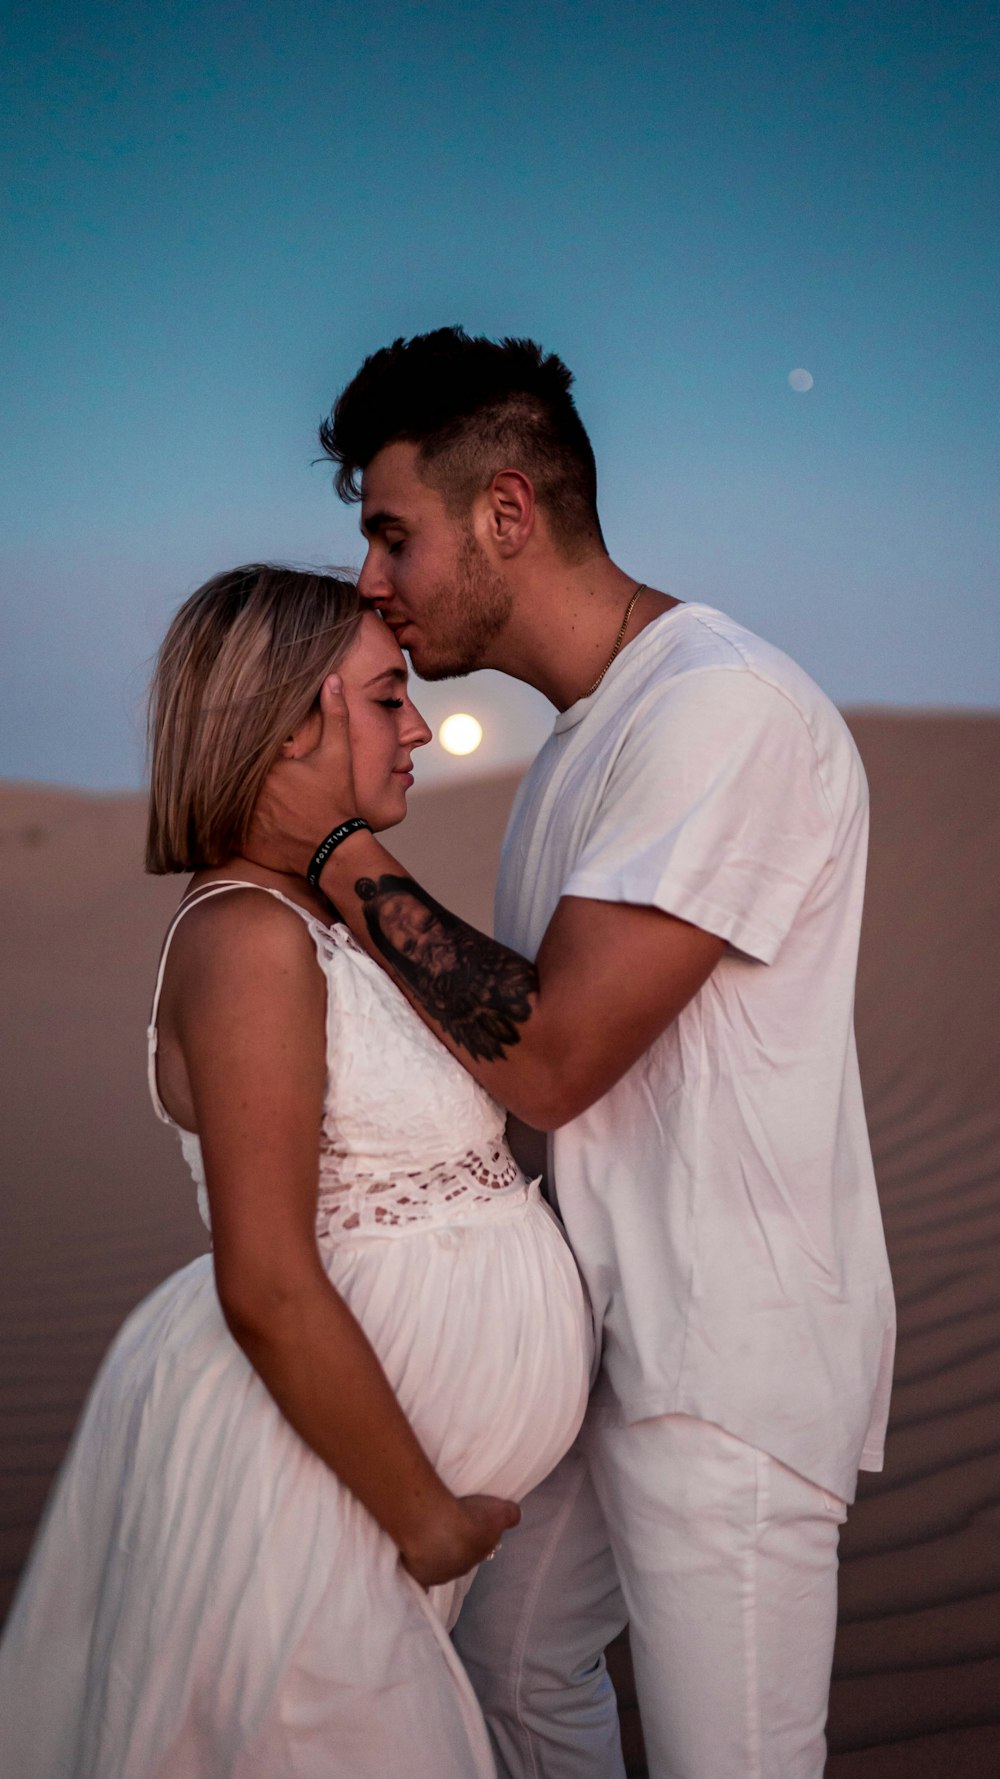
column 330, row 844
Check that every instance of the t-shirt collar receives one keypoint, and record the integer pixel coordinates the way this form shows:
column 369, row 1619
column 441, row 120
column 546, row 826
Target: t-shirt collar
column 575, row 713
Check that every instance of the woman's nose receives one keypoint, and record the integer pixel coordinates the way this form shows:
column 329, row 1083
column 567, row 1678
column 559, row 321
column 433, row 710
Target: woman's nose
column 417, row 734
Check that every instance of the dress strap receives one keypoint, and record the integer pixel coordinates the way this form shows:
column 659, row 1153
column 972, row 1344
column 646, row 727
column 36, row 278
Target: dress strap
column 204, row 894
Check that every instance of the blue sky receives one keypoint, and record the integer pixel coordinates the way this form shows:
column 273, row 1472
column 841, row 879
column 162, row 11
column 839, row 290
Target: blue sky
column 217, row 210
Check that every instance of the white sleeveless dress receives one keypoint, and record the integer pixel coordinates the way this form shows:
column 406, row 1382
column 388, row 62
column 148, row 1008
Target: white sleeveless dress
column 206, row 1600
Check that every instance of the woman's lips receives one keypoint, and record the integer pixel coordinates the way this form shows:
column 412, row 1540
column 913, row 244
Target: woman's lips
column 404, row 773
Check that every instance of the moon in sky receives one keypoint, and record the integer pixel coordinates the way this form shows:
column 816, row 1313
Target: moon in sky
column 460, row 734
column 800, row 380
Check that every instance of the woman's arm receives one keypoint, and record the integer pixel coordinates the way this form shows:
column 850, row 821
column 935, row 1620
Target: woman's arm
column 246, row 1000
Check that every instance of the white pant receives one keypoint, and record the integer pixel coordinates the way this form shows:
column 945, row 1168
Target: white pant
column 724, row 1563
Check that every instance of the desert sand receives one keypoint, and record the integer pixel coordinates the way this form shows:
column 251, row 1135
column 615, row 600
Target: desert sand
column 97, row 1206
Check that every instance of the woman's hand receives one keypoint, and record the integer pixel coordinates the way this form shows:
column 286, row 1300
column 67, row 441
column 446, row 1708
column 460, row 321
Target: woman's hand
column 309, row 790
column 468, row 1535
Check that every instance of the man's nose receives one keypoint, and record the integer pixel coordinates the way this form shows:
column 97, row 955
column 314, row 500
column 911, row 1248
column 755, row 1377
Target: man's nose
column 371, row 581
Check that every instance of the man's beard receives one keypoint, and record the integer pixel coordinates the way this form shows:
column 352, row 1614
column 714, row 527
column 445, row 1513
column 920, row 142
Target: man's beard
column 463, row 616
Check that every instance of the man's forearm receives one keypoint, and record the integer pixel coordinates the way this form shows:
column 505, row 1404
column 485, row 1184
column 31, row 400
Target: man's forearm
column 478, row 996
column 546, row 1039
column 475, row 989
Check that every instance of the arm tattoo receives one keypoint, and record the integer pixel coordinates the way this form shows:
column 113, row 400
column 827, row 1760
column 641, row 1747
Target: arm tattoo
column 476, row 990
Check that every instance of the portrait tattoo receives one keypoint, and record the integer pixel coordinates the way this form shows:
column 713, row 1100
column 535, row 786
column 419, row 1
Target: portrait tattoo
column 476, row 990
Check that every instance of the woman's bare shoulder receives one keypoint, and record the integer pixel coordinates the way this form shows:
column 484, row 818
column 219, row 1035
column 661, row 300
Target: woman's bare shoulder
column 246, row 932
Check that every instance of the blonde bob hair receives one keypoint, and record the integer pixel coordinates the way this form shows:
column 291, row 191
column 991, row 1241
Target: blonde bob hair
column 239, row 671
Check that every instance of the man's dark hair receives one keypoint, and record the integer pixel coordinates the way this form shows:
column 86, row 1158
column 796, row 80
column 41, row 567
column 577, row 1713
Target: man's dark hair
column 473, row 407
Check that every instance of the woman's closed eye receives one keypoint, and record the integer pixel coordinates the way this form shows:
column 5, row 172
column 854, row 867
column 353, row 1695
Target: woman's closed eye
column 390, row 703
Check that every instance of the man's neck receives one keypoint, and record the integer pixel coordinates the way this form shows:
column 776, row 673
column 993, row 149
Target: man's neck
column 565, row 625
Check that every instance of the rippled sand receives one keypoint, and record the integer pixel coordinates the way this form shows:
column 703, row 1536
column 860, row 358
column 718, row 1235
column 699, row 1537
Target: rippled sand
column 97, row 1207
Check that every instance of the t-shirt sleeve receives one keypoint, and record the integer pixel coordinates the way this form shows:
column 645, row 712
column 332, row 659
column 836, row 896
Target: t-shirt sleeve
column 712, row 810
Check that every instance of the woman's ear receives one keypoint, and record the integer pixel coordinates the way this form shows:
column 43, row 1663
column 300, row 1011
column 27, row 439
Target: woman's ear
column 304, row 739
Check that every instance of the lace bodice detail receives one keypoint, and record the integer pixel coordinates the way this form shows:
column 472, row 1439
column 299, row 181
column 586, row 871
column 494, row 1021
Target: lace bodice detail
column 406, row 1137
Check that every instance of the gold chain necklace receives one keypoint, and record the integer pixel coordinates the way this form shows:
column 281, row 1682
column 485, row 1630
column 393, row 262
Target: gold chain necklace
column 619, row 639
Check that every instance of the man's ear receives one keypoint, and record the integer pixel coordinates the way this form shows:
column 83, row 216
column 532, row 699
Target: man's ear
column 510, row 512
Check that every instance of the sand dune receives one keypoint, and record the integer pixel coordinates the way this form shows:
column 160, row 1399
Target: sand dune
column 918, row 1655
column 97, row 1206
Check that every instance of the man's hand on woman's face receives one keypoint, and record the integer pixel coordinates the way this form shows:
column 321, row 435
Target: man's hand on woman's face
column 309, row 790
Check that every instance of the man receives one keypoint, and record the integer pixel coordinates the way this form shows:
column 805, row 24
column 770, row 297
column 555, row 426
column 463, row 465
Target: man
column 684, row 870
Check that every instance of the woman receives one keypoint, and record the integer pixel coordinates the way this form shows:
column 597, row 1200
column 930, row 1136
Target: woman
column 299, row 1447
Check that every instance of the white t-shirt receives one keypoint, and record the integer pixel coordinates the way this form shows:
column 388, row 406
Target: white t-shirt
column 720, row 1199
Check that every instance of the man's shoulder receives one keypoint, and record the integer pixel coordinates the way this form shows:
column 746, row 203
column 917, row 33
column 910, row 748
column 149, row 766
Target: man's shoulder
column 701, row 639
column 701, row 653
column 725, row 688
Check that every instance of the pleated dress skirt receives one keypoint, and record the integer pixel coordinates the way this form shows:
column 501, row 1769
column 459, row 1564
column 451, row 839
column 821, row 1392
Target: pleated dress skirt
column 206, row 1600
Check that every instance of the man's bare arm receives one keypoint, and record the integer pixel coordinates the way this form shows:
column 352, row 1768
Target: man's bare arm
column 546, row 1039
column 477, row 991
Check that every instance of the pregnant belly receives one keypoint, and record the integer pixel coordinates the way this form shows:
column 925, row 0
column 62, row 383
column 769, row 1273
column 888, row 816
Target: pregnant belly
column 484, row 1333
